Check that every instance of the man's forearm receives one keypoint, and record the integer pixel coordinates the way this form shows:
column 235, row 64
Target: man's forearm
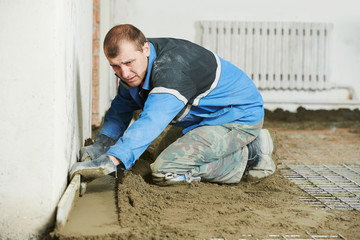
column 115, row 160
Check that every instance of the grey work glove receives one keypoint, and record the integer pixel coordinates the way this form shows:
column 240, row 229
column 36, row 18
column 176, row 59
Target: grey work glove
column 101, row 145
column 90, row 170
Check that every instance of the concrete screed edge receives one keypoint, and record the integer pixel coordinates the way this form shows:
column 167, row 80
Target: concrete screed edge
column 66, row 202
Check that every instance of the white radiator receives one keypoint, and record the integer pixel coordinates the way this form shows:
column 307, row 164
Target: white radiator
column 275, row 55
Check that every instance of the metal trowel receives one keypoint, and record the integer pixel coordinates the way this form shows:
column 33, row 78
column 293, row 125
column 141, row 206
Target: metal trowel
column 83, row 184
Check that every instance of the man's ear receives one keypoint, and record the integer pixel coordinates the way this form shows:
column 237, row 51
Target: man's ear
column 146, row 49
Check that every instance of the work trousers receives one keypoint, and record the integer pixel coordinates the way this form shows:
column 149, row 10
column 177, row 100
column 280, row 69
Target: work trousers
column 214, row 153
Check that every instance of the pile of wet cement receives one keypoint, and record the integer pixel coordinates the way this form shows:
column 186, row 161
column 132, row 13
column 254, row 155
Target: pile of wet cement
column 206, row 210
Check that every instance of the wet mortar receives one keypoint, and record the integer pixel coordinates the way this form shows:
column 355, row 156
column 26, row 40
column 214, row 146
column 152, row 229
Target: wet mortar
column 138, row 209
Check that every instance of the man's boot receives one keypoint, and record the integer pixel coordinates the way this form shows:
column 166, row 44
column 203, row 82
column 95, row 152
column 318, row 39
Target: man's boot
column 260, row 163
column 174, row 178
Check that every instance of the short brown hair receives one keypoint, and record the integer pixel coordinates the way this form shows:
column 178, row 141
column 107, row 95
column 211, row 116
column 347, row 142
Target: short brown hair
column 119, row 33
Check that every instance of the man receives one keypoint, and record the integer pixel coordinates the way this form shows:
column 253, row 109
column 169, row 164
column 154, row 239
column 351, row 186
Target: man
column 178, row 82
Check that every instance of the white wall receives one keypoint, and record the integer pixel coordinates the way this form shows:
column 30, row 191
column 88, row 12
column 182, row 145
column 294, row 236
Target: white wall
column 107, row 80
column 45, row 107
column 171, row 18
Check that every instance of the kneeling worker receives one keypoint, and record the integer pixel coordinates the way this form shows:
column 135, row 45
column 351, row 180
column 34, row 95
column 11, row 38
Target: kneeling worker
column 178, row 82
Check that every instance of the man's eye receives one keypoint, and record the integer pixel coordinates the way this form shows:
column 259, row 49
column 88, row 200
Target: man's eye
column 128, row 62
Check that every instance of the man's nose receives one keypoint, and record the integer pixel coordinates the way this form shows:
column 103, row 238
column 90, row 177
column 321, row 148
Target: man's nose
column 125, row 72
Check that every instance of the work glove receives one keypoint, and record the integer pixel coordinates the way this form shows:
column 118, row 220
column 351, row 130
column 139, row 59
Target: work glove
column 101, row 145
column 90, row 170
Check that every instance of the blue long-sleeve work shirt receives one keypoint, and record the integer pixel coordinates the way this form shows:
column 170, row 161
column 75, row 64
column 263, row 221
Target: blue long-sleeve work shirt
column 185, row 85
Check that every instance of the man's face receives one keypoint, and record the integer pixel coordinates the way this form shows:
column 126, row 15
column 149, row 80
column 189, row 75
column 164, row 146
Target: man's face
column 131, row 64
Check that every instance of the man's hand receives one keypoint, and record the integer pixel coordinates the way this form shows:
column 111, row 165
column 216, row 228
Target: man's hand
column 101, row 145
column 90, row 170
